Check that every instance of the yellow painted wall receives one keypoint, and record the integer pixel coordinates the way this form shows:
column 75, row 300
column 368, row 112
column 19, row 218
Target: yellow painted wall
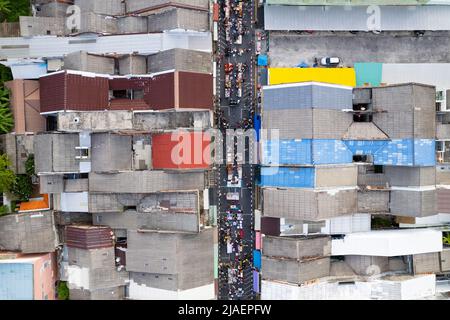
column 342, row 76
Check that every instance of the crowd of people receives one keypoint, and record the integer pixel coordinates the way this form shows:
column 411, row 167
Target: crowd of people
column 237, row 61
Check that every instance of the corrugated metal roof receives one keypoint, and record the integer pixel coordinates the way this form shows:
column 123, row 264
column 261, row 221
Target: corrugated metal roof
column 356, row 2
column 89, row 237
column 345, row 18
column 52, row 46
column 435, row 74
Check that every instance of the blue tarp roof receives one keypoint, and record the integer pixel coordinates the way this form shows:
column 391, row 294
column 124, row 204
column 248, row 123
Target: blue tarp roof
column 262, row 60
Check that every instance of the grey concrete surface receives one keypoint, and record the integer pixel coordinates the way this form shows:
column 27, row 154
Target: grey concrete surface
column 289, row 49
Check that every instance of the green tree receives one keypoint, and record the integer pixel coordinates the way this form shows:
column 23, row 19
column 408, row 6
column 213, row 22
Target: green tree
column 11, row 10
column 446, row 239
column 7, row 176
column 5, row 8
column 4, row 210
column 63, row 291
column 29, row 165
column 22, row 188
column 6, row 116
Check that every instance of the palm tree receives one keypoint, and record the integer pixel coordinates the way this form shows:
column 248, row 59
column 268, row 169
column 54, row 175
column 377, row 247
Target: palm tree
column 6, row 116
column 5, row 8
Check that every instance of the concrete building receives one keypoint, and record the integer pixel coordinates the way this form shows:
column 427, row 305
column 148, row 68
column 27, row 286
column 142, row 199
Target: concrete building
column 180, row 59
column 91, row 264
column 175, row 269
column 143, row 5
column 18, row 148
column 106, row 7
column 159, row 91
column 84, row 61
column 50, row 8
column 341, row 157
column 38, row 26
column 29, row 232
column 178, row 18
column 133, row 64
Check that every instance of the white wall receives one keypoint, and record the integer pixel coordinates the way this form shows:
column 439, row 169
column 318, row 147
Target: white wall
column 142, row 292
column 388, row 243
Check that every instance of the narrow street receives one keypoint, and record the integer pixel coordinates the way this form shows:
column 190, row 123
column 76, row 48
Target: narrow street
column 235, row 178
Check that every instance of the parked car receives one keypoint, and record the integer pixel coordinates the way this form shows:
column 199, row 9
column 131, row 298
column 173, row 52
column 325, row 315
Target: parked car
column 330, row 61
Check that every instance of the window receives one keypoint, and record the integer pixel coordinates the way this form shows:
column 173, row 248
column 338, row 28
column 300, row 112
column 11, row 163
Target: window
column 362, row 113
column 378, row 169
column 130, row 94
column 361, row 158
column 120, row 94
column 75, row 176
column 83, row 153
column 52, row 123
column 375, row 169
column 362, row 117
column 442, row 154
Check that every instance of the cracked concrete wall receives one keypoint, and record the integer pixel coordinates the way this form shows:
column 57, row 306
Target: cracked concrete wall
column 181, row 60
column 132, row 64
column 373, row 201
column 302, row 204
column 410, row 111
column 52, row 9
column 178, row 18
column 56, row 153
column 426, row 263
column 95, row 121
column 413, row 203
column 111, row 152
column 134, row 5
column 294, row 271
column 83, row 61
column 145, row 181
column 31, row 232
column 336, row 176
column 410, row 176
column 155, row 121
column 42, row 26
column 18, row 148
column 132, row 24
column 188, row 256
column 444, row 256
column 308, row 123
column 116, row 293
column 296, row 247
column 106, row 7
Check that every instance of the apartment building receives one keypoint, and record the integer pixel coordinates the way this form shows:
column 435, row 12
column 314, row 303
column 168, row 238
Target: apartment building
column 345, row 159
